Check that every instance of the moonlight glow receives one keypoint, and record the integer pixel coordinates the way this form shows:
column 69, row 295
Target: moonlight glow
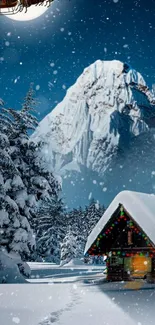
column 33, row 12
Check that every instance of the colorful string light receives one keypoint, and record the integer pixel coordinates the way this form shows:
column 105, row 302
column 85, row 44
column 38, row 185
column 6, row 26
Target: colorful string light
column 109, row 230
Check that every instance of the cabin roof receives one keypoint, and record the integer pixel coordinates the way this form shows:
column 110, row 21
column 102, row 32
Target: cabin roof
column 140, row 206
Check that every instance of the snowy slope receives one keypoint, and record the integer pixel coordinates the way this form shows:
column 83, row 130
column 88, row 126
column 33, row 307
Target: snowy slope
column 107, row 107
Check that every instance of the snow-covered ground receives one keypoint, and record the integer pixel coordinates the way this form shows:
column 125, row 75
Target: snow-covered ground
column 71, row 272
column 84, row 299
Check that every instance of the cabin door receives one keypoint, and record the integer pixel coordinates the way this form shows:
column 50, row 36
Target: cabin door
column 141, row 265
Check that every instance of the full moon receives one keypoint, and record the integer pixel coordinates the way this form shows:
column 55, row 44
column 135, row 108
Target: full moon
column 33, row 12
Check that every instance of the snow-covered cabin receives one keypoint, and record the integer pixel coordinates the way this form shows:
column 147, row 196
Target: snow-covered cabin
column 126, row 235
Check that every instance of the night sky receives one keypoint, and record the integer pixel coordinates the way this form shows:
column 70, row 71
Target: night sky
column 53, row 50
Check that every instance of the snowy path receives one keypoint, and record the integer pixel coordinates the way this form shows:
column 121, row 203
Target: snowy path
column 78, row 300
column 75, row 303
column 92, row 305
column 28, row 304
column 93, row 308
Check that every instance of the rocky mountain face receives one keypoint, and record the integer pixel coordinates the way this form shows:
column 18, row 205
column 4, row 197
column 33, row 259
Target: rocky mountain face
column 100, row 138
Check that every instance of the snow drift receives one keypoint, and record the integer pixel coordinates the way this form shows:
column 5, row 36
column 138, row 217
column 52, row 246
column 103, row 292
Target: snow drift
column 9, row 271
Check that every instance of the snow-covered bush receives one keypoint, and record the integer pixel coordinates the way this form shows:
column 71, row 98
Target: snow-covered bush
column 75, row 262
column 23, row 267
column 9, row 271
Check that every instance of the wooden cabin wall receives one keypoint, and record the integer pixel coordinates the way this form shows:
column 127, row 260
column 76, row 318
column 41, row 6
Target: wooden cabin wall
column 153, row 268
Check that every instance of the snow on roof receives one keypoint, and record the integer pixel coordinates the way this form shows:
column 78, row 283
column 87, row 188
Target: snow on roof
column 140, row 206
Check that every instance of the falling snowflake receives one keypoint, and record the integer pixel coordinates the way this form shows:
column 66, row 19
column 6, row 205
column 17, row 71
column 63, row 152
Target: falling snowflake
column 16, row 320
column 37, row 87
column 15, row 81
column 7, row 43
column 90, row 196
column 50, row 85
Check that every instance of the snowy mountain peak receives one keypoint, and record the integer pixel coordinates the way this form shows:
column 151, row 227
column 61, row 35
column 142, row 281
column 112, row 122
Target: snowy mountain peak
column 101, row 112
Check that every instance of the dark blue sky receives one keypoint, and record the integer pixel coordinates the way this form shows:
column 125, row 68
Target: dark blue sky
column 53, row 50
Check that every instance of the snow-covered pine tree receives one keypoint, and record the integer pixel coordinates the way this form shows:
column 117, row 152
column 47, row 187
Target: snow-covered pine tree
column 15, row 233
column 19, row 124
column 77, row 222
column 32, row 185
column 69, row 246
column 50, row 229
column 82, row 222
column 93, row 213
column 40, row 184
column 43, row 186
column 79, row 227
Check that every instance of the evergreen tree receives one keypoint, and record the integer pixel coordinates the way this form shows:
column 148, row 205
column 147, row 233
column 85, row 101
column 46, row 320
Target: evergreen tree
column 68, row 246
column 50, row 229
column 40, row 185
column 17, row 125
column 82, row 222
column 15, row 233
column 93, row 213
column 79, row 226
column 29, row 185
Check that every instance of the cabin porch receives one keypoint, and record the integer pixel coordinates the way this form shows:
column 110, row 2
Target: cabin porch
column 129, row 265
